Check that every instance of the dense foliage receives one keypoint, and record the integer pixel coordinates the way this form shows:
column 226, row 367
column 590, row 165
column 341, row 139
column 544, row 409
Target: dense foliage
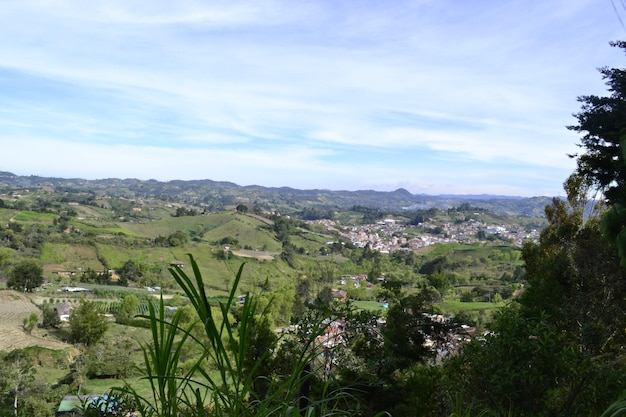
column 87, row 325
column 26, row 275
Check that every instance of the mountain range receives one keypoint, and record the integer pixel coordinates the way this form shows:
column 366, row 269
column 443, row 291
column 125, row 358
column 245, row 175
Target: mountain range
column 220, row 194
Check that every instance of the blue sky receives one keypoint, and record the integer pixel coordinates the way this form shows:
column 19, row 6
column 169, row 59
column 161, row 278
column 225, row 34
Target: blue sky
column 436, row 96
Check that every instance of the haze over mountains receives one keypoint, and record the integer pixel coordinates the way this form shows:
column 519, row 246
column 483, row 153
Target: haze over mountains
column 218, row 194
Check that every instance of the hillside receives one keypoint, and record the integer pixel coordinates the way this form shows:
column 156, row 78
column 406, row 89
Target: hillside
column 112, row 239
column 215, row 196
column 14, row 308
column 74, row 227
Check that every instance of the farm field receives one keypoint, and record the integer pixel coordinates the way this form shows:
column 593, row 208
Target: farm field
column 14, row 308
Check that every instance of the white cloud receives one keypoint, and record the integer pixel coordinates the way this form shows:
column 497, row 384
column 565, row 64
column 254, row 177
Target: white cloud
column 280, row 81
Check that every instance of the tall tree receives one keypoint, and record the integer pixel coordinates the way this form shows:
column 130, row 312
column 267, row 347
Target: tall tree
column 129, row 306
column 16, row 374
column 558, row 351
column 26, row 275
column 50, row 317
column 602, row 121
column 132, row 270
column 87, row 326
column 562, row 346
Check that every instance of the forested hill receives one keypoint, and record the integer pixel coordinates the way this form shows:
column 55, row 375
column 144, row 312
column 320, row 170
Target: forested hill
column 218, row 194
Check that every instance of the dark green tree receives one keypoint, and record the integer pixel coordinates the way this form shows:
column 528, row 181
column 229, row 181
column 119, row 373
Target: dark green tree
column 602, row 165
column 17, row 374
column 25, row 275
column 602, row 120
column 50, row 317
column 128, row 308
column 132, row 271
column 283, row 227
column 87, row 325
column 110, row 358
column 561, row 347
column 259, row 360
column 177, row 238
column 557, row 352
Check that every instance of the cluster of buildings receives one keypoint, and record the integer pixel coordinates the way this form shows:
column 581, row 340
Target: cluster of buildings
column 390, row 235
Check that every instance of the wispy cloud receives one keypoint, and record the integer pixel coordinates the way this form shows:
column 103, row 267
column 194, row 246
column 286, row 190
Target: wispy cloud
column 434, row 96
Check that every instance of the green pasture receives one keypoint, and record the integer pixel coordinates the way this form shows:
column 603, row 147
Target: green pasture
column 218, row 273
column 168, row 225
column 311, row 242
column 69, row 257
column 461, row 250
column 456, row 306
column 468, row 261
column 35, row 217
column 92, row 212
column 103, row 386
column 249, row 231
column 368, row 305
column 87, row 228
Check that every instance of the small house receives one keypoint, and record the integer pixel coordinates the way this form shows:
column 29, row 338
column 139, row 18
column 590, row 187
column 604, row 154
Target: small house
column 64, row 311
column 179, row 264
column 340, row 296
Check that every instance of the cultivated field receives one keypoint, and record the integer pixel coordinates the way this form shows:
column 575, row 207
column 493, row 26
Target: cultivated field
column 260, row 255
column 14, row 308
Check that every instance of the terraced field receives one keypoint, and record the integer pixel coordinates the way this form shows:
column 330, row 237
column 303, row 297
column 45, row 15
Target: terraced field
column 14, row 308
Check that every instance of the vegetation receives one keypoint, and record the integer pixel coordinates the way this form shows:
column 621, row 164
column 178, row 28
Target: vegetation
column 87, row 325
column 344, row 307
column 25, row 275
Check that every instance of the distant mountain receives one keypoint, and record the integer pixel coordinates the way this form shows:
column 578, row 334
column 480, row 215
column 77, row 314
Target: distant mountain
column 219, row 194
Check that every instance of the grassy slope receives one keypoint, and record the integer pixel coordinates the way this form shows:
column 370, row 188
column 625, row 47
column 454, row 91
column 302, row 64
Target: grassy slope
column 69, row 257
column 218, row 273
column 210, row 229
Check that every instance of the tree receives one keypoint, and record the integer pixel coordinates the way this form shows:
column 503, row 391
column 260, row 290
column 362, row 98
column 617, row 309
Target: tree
column 16, row 374
column 30, row 322
column 602, row 166
column 261, row 345
column 177, row 238
column 603, row 122
column 558, row 351
column 26, row 275
column 132, row 271
column 110, row 358
column 87, row 326
column 50, row 316
column 91, row 276
column 128, row 309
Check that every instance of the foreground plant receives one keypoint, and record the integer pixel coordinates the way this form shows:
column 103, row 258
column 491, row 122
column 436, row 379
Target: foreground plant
column 221, row 380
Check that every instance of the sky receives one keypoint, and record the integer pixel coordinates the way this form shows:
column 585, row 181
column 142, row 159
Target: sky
column 434, row 96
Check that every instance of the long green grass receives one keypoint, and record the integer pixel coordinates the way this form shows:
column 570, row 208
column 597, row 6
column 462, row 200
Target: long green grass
column 35, row 217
